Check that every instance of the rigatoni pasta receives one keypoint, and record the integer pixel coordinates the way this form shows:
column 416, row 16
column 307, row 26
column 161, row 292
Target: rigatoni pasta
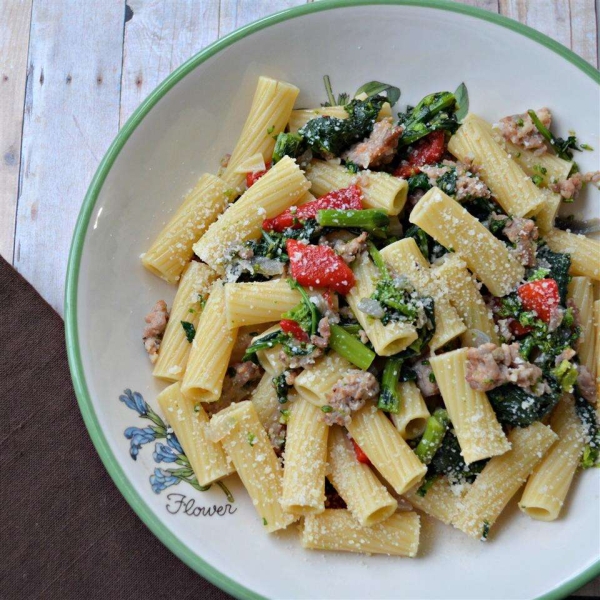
column 171, row 251
column 371, row 324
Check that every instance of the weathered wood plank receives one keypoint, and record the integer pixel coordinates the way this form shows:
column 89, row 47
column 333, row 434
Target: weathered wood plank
column 584, row 30
column 551, row 18
column 491, row 5
column 235, row 13
column 71, row 116
column 15, row 18
column 159, row 36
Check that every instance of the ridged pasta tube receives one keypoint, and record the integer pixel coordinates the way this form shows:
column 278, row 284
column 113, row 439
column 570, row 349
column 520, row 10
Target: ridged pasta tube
column 452, row 226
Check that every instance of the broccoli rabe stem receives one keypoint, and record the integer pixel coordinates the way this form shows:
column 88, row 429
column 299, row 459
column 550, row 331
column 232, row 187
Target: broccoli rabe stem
column 347, row 346
column 427, row 116
column 389, row 398
column 378, row 260
column 369, row 219
column 435, row 430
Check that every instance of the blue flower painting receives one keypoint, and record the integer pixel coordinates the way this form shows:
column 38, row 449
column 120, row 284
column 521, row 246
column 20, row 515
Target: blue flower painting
column 170, row 453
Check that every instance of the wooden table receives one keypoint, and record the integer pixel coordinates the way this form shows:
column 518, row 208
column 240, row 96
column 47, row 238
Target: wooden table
column 72, row 72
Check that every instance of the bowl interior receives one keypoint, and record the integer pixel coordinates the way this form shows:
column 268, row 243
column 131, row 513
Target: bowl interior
column 184, row 135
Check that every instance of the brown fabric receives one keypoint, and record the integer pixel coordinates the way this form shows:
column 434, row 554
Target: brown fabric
column 66, row 533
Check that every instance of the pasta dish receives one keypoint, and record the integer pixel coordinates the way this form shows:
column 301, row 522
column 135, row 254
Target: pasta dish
column 380, row 313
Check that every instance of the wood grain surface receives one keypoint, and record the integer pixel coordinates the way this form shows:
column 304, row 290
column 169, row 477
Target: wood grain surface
column 72, row 72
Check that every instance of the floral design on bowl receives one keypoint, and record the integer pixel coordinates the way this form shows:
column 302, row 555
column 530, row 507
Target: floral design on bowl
column 169, row 453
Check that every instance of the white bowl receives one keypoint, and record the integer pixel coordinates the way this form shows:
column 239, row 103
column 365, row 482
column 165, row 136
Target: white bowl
column 181, row 131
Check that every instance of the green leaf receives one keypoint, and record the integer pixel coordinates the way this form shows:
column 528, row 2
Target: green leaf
column 372, row 88
column 462, row 102
column 190, row 330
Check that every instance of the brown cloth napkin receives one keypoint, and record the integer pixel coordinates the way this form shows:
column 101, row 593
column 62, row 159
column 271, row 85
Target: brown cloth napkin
column 66, row 533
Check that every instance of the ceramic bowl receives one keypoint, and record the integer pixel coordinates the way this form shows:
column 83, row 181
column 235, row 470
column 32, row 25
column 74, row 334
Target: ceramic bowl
column 179, row 132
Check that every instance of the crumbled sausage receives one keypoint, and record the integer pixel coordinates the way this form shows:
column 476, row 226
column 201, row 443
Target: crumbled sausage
column 468, row 184
column 521, row 131
column 425, row 378
column 324, row 330
column 489, row 366
column 569, row 188
column 351, row 249
column 156, row 323
column 379, row 148
column 523, row 233
column 349, row 394
column 301, row 361
column 245, row 372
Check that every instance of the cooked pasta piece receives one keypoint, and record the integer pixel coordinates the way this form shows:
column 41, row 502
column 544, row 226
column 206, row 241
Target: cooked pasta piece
column 386, row 449
column 171, row 251
column 411, row 418
column 270, row 359
column 547, row 488
column 265, row 402
column 247, row 444
column 281, row 187
column 453, row 227
column 405, row 258
column 190, row 424
column 477, row 429
column 299, row 118
column 547, row 215
column 339, row 530
column 270, row 111
column 386, row 339
column 305, row 460
column 584, row 252
column 462, row 291
column 514, row 191
column 254, row 303
column 442, row 500
column 581, row 292
column 380, row 190
column 211, row 350
column 316, row 381
column 597, row 345
column 366, row 497
column 501, row 478
column 187, row 306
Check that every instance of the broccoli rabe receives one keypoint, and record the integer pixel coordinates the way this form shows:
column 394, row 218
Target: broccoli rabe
column 330, row 136
column 517, row 407
column 562, row 147
column 281, row 387
column 389, row 397
column 591, row 427
column 558, row 265
column 435, row 111
column 288, row 144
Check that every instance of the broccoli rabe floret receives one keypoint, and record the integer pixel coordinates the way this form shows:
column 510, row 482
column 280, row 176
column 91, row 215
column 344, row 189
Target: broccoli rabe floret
column 288, row 144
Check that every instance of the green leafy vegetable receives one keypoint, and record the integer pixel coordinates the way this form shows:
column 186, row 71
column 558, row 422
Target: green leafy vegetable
column 420, row 237
column 433, row 436
column 374, row 88
column 558, row 265
column 281, row 387
column 389, row 397
column 517, row 407
column 288, row 144
column 350, row 348
column 562, row 147
column 462, row 102
column 306, row 313
column 448, row 461
column 591, row 431
column 190, row 331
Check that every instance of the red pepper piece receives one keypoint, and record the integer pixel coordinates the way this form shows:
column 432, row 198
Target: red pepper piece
column 361, row 457
column 517, row 329
column 426, row 151
column 293, row 327
column 319, row 266
column 541, row 296
column 344, row 199
column 252, row 178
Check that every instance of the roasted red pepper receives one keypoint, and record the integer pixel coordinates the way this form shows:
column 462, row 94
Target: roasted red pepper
column 517, row 329
column 426, row 151
column 541, row 296
column 291, row 326
column 319, row 266
column 361, row 457
column 345, row 199
column 252, row 178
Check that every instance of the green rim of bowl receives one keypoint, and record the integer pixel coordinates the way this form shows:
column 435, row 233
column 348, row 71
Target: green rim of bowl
column 75, row 362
